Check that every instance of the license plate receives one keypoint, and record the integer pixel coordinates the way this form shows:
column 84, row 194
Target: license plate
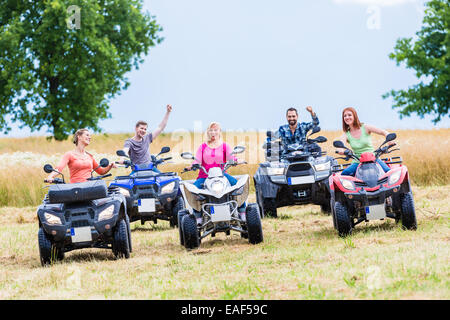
column 375, row 212
column 82, row 234
column 300, row 180
column 146, row 205
column 220, row 213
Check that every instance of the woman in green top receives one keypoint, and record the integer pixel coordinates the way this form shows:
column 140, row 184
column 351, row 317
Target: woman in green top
column 358, row 136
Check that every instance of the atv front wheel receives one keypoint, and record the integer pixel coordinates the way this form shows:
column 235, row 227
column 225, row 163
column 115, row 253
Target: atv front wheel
column 408, row 212
column 190, row 232
column 254, row 227
column 270, row 207
column 343, row 222
column 121, row 247
column 325, row 207
column 48, row 252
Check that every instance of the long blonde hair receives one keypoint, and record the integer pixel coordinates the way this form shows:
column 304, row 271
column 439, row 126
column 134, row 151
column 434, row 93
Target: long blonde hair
column 212, row 124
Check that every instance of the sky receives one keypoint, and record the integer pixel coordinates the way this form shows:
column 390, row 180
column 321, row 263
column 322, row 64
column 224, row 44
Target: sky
column 242, row 63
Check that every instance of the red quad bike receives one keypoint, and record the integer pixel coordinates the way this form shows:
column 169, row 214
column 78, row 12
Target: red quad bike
column 371, row 194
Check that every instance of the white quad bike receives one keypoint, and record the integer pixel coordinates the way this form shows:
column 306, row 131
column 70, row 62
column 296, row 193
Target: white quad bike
column 218, row 207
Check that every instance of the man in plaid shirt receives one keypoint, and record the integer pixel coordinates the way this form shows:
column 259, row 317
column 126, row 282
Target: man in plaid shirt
column 295, row 132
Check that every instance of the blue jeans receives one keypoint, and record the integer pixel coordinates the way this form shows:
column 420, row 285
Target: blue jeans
column 200, row 181
column 351, row 169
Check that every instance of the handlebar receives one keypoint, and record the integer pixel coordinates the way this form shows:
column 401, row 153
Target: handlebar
column 382, row 150
column 228, row 164
column 100, row 177
column 55, row 181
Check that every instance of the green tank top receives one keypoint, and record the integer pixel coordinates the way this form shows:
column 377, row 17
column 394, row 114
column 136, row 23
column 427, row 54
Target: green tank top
column 361, row 145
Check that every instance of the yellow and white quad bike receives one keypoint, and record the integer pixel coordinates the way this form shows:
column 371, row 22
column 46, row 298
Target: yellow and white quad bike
column 218, row 206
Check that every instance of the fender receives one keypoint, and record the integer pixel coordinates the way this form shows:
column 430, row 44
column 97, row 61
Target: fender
column 403, row 175
column 241, row 182
column 337, row 185
column 268, row 188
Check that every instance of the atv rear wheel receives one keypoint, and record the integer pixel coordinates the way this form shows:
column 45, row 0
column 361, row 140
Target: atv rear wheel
column 408, row 212
column 343, row 222
column 48, row 252
column 254, row 227
column 190, row 232
column 121, row 247
column 181, row 214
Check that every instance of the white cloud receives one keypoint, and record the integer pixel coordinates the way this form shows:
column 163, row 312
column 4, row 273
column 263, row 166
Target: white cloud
column 381, row 3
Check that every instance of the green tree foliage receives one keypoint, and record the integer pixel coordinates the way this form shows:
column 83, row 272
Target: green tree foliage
column 429, row 56
column 55, row 75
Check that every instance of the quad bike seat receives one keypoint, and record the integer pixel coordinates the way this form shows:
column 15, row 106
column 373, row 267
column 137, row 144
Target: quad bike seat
column 77, row 192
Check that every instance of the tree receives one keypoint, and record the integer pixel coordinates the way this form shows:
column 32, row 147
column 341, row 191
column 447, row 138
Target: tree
column 61, row 61
column 429, row 56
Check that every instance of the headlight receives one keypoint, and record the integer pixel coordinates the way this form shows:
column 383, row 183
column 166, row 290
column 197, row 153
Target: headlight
column 217, row 186
column 394, row 177
column 275, row 171
column 322, row 166
column 347, row 184
column 52, row 219
column 106, row 213
column 168, row 188
column 125, row 192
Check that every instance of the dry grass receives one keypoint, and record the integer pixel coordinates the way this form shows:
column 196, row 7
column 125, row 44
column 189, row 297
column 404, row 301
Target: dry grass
column 301, row 258
column 425, row 152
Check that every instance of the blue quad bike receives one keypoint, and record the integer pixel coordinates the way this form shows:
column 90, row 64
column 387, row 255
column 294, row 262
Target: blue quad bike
column 150, row 195
column 82, row 215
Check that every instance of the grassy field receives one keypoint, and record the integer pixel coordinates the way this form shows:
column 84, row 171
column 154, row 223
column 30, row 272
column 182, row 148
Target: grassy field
column 301, row 258
column 425, row 152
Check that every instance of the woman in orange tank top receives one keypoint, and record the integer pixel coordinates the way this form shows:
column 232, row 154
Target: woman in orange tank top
column 80, row 162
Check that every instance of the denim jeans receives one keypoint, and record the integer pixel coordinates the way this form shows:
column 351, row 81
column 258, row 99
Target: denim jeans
column 351, row 169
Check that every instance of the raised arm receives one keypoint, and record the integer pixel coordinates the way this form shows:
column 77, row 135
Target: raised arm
column 315, row 120
column 163, row 123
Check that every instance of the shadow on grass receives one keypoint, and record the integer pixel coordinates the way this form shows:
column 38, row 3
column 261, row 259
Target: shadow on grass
column 209, row 242
column 86, row 256
column 151, row 227
column 363, row 228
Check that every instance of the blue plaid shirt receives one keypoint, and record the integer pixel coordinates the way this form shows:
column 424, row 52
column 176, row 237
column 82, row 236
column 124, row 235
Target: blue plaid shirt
column 299, row 135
